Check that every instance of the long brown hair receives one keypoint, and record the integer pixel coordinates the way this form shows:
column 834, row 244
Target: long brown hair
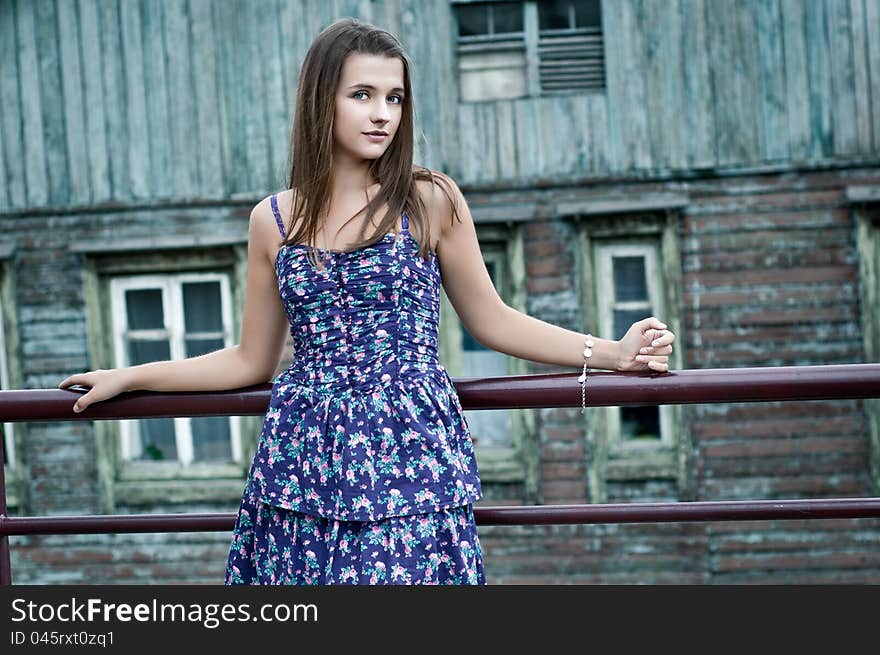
column 312, row 142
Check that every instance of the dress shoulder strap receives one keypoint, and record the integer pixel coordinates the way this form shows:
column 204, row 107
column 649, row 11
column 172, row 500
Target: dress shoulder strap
column 404, row 221
column 274, row 201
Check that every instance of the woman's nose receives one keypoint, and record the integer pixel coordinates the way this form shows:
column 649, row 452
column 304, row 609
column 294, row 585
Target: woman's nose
column 381, row 112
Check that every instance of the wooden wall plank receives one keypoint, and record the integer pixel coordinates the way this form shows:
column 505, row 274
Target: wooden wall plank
column 843, row 102
column 444, row 76
column 771, row 66
column 797, row 90
column 94, row 157
column 272, row 99
column 468, row 139
column 615, row 82
column 722, row 25
column 4, row 195
column 252, row 100
column 673, row 85
column 698, row 105
column 535, row 146
column 488, row 141
column 553, row 143
column 184, row 130
column 872, row 23
column 600, row 134
column 139, row 181
column 220, row 18
column 73, row 128
column 159, row 101
column 416, row 42
column 581, row 135
column 231, row 50
column 37, row 192
column 748, row 83
column 116, row 106
column 631, row 112
column 52, row 107
column 861, row 76
column 206, row 98
column 505, row 141
column 651, row 65
column 819, row 80
column 14, row 193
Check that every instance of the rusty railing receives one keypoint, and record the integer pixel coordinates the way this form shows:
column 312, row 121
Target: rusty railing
column 844, row 381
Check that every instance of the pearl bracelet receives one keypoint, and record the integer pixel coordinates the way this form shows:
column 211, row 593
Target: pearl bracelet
column 588, row 344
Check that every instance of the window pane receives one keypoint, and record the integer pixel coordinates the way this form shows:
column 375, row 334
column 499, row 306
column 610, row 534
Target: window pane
column 157, row 439
column 507, row 17
column 202, row 307
column 473, row 20
column 141, row 352
column 553, row 14
column 143, row 308
column 640, row 423
column 588, row 13
column 629, row 279
column 624, row 318
column 211, row 439
column 196, row 347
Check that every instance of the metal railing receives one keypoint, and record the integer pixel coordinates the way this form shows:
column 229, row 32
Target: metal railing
column 844, row 381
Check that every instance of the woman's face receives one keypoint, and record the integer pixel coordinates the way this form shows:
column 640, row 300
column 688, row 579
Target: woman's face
column 369, row 98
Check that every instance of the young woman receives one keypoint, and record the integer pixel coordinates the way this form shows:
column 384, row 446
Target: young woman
column 365, row 469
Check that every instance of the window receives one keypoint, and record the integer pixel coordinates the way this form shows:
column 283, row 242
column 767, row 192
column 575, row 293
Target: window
column 628, row 292
column 173, row 317
column 5, row 428
column 9, row 379
column 631, row 269
column 866, row 207
column 519, row 49
column 156, row 299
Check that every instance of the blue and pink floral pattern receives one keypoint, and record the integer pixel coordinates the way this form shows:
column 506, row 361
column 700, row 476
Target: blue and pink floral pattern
column 364, row 431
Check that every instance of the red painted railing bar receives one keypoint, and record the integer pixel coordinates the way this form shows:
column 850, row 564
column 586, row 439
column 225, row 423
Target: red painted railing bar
column 718, row 385
column 750, row 510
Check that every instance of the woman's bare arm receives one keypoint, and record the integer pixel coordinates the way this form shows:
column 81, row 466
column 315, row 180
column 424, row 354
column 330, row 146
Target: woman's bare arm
column 253, row 360
column 500, row 327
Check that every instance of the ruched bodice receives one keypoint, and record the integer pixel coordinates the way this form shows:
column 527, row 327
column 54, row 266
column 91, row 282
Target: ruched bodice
column 366, row 422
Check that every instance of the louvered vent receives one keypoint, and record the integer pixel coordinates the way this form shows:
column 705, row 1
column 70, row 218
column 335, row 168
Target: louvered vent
column 571, row 60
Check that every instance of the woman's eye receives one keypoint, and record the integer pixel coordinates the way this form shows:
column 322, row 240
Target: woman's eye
column 360, row 93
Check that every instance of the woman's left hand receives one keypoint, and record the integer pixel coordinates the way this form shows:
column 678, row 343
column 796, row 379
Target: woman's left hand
column 646, row 346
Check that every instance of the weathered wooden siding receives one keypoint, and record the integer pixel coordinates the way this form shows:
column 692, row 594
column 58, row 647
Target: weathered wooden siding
column 185, row 99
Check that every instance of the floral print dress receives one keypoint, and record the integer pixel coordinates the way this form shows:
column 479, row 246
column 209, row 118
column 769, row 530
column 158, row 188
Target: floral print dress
column 365, row 470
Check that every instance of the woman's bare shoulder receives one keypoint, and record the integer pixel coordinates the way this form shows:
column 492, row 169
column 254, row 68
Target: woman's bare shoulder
column 439, row 192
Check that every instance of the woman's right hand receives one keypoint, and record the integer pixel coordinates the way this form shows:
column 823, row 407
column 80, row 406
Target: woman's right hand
column 104, row 384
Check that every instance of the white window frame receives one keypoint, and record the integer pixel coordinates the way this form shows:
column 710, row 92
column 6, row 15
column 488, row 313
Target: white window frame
column 172, row 306
column 605, row 251
column 10, row 458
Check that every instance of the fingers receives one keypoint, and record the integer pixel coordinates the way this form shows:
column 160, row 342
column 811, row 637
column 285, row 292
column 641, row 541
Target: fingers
column 659, row 363
column 74, row 380
column 81, row 404
column 78, row 379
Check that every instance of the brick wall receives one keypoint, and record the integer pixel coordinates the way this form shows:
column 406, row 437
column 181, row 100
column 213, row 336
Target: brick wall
column 770, row 278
